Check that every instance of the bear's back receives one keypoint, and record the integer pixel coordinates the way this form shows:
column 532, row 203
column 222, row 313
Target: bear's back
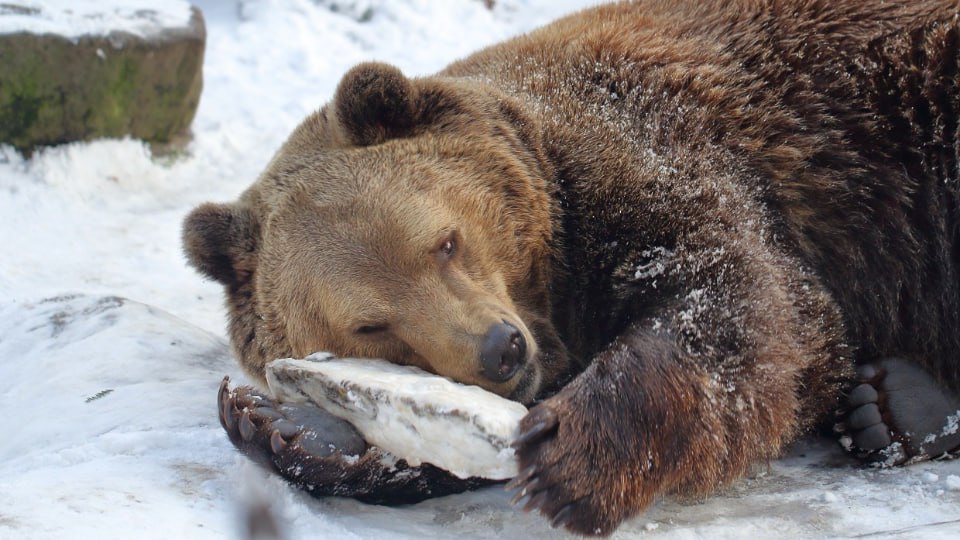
column 843, row 115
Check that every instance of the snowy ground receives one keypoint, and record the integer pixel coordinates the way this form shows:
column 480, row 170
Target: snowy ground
column 115, row 433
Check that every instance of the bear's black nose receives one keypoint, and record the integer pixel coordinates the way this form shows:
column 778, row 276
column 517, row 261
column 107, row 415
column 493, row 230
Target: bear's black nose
column 503, row 352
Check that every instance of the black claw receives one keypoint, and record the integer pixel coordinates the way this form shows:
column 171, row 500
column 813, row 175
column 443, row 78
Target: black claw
column 247, row 427
column 519, row 496
column 562, row 517
column 533, row 485
column 229, row 414
column 534, row 433
column 529, row 489
column 277, row 444
column 223, row 403
column 544, row 421
column 535, row 501
column 221, row 413
column 223, row 391
column 521, row 478
column 530, row 434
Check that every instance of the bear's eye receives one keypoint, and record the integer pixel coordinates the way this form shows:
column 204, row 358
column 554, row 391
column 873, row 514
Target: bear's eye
column 447, row 247
column 369, row 329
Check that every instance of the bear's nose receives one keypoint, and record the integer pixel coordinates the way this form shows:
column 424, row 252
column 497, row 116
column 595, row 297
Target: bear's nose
column 503, row 352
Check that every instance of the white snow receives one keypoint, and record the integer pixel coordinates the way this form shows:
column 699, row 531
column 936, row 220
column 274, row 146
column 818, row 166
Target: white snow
column 75, row 18
column 408, row 412
column 953, row 482
column 148, row 459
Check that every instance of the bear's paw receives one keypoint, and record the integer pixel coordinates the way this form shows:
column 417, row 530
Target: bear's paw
column 323, row 454
column 562, row 470
column 899, row 413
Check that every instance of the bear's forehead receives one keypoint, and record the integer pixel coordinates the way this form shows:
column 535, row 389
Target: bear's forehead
column 370, row 232
column 397, row 168
column 374, row 210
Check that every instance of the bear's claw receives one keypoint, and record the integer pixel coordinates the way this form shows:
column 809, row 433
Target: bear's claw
column 547, row 482
column 324, row 454
column 898, row 412
column 544, row 421
column 562, row 517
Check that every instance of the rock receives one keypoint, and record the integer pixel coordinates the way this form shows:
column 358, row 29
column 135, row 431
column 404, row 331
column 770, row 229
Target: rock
column 70, row 73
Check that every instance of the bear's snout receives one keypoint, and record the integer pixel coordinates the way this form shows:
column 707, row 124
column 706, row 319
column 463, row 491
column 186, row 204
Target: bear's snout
column 503, row 351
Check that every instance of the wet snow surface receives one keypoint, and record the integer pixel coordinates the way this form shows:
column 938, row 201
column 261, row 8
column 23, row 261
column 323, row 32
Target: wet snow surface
column 111, row 349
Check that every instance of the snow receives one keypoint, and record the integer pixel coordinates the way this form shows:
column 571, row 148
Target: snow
column 953, row 482
column 75, row 18
column 412, row 414
column 87, row 223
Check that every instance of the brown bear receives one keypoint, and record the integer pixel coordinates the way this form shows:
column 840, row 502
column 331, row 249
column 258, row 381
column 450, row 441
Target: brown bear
column 685, row 231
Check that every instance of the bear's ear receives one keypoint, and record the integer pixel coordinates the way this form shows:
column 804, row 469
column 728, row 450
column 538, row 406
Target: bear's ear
column 375, row 102
column 220, row 240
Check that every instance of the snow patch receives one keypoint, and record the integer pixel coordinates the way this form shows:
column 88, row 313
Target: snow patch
column 654, row 263
column 829, row 497
column 76, row 18
column 952, row 482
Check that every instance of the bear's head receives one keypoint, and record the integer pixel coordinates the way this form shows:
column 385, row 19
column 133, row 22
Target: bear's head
column 410, row 220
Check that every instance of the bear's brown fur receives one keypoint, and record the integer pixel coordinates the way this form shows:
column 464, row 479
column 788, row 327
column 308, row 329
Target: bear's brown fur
column 697, row 214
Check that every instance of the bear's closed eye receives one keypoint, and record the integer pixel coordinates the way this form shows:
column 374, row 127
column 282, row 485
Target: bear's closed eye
column 369, row 329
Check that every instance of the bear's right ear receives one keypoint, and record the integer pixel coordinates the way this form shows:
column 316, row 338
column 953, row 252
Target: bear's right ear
column 220, row 240
column 375, row 102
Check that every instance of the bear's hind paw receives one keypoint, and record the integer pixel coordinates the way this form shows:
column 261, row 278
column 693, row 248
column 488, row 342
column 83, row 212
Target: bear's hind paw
column 899, row 413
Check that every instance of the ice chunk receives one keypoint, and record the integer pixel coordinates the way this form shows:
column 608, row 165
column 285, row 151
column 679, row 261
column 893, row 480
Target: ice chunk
column 953, row 482
column 420, row 417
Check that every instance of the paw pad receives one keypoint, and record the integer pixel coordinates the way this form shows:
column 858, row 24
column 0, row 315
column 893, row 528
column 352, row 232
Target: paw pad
column 898, row 413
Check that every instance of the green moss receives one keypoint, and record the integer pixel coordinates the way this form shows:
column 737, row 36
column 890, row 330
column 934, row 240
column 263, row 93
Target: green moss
column 54, row 90
column 121, row 93
column 22, row 106
column 19, row 113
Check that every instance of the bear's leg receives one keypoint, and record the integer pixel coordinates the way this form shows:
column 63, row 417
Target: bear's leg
column 900, row 413
column 325, row 455
column 744, row 356
column 642, row 422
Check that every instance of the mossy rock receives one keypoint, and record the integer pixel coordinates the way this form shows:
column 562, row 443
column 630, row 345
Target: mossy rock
column 55, row 89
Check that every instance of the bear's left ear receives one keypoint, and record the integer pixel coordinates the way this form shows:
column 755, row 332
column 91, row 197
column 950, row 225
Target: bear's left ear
column 375, row 102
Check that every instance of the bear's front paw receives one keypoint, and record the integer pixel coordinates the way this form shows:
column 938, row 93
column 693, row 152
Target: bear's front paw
column 305, row 444
column 898, row 412
column 558, row 475
column 324, row 454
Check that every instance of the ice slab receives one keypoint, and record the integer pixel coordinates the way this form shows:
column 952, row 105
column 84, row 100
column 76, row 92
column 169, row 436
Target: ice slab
column 412, row 414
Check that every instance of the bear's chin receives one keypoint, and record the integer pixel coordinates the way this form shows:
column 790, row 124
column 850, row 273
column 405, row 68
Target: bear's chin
column 528, row 384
